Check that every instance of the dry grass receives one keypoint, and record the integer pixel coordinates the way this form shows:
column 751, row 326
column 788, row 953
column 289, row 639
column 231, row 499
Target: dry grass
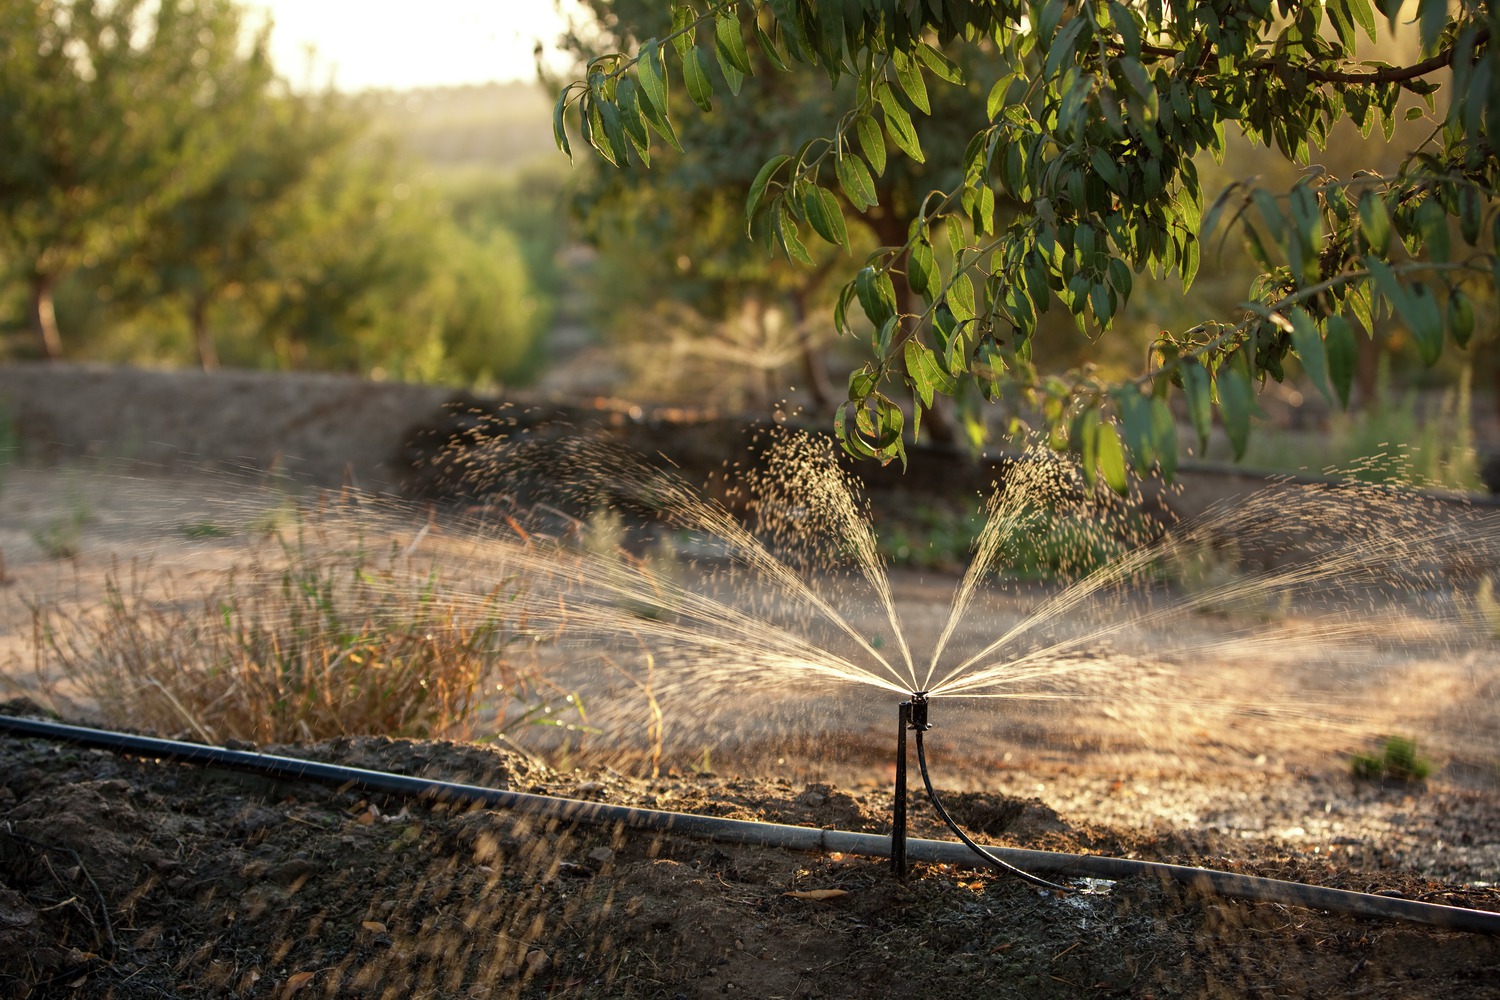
column 317, row 638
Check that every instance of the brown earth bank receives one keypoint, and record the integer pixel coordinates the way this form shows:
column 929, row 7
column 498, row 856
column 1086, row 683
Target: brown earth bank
column 130, row 878
column 330, row 430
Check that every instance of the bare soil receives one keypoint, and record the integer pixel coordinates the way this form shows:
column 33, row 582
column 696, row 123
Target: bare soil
column 134, row 878
column 130, row 878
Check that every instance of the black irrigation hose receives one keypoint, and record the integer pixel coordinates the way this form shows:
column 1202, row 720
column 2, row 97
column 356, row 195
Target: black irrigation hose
column 778, row 835
column 987, row 856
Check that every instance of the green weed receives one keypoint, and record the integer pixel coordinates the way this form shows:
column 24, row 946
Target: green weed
column 1397, row 759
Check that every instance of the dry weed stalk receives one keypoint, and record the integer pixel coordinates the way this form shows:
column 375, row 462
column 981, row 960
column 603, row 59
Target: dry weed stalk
column 323, row 642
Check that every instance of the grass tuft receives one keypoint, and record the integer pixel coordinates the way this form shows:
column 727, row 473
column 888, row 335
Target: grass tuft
column 320, row 642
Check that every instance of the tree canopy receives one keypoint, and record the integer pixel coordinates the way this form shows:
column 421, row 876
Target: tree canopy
column 164, row 194
column 1079, row 181
column 114, row 111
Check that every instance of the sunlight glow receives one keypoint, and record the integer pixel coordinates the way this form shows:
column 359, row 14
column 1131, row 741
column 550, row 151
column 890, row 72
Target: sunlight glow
column 401, row 44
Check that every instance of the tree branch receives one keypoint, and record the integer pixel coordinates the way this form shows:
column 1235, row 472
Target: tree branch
column 1387, row 74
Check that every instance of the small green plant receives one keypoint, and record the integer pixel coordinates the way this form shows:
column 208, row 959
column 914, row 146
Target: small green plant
column 1397, row 759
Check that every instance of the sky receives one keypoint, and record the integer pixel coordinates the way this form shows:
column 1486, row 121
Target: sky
column 401, row 44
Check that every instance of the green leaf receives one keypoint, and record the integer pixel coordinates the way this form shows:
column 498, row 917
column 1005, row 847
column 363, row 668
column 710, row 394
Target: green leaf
column 1061, row 50
column 1386, row 283
column 768, row 46
column 1083, row 436
column 1270, row 213
column 632, row 120
column 1164, row 436
column 934, row 371
column 855, row 179
column 729, row 44
column 1235, row 403
column 886, row 335
column 1135, row 415
column 851, row 442
column 862, row 382
column 1470, row 215
column 826, row 217
column 1425, row 321
column 614, row 143
column 1125, row 26
column 559, row 126
column 995, row 103
column 695, row 72
column 1434, row 18
column 877, row 295
column 1111, row 459
column 658, row 121
column 921, row 268
column 682, row 19
column 1308, row 343
column 1104, row 165
column 1195, row 386
column 786, row 229
column 758, row 186
column 1432, row 221
column 1375, row 222
column 961, row 297
column 909, row 77
column 1343, row 356
column 1460, row 317
column 651, row 72
column 898, row 123
column 871, row 141
column 921, row 380
column 942, row 67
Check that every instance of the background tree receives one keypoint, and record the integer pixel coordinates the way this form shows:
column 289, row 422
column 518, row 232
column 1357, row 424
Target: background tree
column 1092, row 116
column 113, row 111
column 167, row 198
column 215, row 240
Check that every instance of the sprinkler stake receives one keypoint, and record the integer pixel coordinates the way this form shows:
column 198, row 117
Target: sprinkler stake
column 911, row 715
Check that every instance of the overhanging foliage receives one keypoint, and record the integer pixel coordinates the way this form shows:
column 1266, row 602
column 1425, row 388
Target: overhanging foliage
column 1086, row 139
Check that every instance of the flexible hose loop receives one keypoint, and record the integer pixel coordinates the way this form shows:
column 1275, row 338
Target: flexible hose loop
column 987, row 857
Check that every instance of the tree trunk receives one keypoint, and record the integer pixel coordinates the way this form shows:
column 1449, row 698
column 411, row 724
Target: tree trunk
column 208, row 355
column 43, row 316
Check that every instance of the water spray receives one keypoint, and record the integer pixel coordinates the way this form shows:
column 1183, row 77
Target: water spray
column 912, row 717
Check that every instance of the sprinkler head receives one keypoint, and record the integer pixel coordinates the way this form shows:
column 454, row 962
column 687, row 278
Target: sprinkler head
column 917, row 717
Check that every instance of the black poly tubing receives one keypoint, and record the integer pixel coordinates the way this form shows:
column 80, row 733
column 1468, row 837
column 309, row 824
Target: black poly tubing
column 985, row 855
column 797, row 838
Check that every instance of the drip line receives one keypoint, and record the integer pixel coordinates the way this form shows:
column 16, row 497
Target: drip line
column 744, row 832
